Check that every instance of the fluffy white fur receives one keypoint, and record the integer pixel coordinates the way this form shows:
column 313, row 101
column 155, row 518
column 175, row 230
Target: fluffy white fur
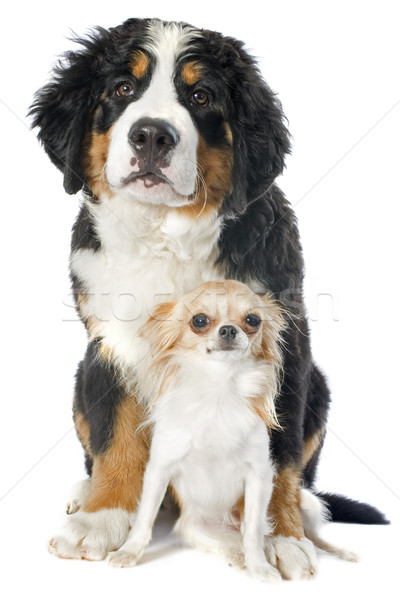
column 213, row 449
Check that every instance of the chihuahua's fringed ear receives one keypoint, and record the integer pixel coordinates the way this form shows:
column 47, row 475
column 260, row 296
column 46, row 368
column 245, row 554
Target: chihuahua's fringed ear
column 154, row 372
column 163, row 328
column 271, row 353
column 273, row 326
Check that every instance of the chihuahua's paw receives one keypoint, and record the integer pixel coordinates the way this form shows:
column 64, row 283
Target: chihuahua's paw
column 265, row 572
column 122, row 559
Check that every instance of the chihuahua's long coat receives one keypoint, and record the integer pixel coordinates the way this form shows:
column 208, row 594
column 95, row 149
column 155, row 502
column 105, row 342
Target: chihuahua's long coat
column 209, row 382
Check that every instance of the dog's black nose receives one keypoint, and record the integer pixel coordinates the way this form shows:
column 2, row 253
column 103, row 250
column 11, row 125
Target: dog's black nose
column 228, row 333
column 152, row 139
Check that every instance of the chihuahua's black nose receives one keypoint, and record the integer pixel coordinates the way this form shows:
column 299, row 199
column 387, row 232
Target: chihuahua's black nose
column 228, row 333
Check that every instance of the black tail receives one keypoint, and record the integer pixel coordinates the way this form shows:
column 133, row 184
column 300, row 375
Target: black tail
column 345, row 510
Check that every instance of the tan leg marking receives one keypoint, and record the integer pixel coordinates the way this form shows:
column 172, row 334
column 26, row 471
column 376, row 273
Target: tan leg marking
column 82, row 429
column 311, row 445
column 284, row 508
column 118, row 473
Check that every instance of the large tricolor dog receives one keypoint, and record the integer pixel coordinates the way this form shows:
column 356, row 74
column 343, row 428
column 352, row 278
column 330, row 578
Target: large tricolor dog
column 176, row 141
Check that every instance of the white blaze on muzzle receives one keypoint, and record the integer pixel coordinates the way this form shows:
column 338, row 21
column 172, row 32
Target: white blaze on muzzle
column 176, row 173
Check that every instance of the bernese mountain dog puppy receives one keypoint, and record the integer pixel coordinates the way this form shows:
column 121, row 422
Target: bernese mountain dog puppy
column 175, row 140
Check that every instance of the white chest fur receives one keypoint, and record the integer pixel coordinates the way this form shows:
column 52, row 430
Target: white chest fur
column 206, row 429
column 149, row 254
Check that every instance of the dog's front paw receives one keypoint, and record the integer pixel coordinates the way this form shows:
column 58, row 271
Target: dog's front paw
column 91, row 535
column 122, row 559
column 295, row 559
column 235, row 556
column 265, row 572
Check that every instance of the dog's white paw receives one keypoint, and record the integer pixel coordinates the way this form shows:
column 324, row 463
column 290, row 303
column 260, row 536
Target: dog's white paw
column 265, row 572
column 295, row 559
column 122, row 559
column 346, row 554
column 235, row 557
column 78, row 495
column 91, row 535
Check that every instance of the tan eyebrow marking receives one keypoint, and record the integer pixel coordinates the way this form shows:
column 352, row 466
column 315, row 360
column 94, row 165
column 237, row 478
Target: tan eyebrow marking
column 191, row 72
column 141, row 64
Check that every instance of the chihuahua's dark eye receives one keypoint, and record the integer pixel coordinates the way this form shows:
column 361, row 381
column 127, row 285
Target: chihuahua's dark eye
column 124, row 89
column 200, row 321
column 253, row 320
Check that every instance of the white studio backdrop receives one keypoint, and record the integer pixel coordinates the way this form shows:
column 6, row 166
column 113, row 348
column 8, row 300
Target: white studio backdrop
column 334, row 66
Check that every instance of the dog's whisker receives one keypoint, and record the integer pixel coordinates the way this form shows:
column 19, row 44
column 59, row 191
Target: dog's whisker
column 204, row 185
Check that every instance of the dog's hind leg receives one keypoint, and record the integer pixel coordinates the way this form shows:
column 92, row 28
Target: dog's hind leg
column 315, row 515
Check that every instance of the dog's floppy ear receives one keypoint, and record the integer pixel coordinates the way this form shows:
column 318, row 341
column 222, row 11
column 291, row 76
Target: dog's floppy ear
column 61, row 110
column 260, row 136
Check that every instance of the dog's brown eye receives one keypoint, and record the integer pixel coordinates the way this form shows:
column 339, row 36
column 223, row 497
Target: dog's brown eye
column 200, row 97
column 125, row 89
column 200, row 321
column 253, row 320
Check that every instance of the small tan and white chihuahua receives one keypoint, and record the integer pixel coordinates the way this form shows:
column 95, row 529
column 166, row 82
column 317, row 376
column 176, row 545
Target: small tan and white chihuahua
column 208, row 381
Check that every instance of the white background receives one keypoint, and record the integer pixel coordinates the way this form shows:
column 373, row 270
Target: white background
column 335, row 66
